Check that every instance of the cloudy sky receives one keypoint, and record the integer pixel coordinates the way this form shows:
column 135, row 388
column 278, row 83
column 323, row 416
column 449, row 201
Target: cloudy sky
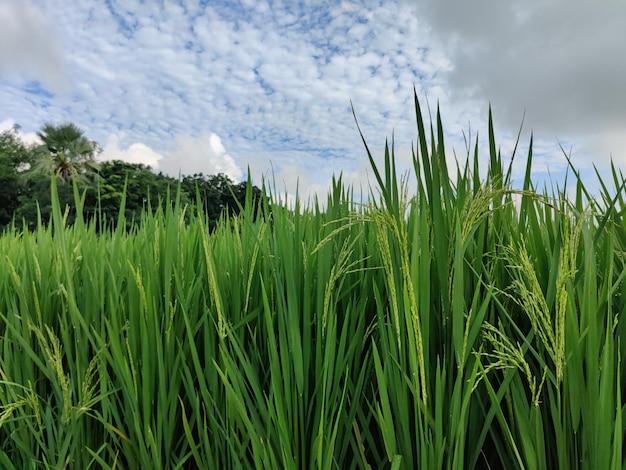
column 222, row 86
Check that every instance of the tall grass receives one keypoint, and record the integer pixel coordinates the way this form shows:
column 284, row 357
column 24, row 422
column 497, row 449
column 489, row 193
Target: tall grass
column 468, row 325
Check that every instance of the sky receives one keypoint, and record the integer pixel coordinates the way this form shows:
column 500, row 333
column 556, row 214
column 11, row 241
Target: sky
column 266, row 86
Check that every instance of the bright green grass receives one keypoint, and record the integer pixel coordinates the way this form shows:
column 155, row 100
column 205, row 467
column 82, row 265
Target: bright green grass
column 452, row 329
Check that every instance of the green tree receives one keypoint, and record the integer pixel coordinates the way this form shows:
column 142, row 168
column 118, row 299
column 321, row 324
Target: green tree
column 15, row 156
column 218, row 194
column 141, row 187
column 66, row 152
column 35, row 201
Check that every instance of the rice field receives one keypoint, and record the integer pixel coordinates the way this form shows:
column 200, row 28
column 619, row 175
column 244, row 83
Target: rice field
column 468, row 325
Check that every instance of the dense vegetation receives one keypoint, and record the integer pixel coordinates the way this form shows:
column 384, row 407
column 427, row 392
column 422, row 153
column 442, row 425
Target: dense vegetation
column 25, row 180
column 468, row 326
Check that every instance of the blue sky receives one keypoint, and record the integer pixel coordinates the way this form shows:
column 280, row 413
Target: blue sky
column 215, row 86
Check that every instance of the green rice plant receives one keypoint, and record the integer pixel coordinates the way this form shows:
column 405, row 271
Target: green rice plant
column 506, row 390
column 48, row 367
column 303, row 382
column 557, row 398
column 473, row 324
column 432, row 306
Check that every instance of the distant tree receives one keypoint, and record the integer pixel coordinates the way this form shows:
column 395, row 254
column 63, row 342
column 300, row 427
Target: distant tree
column 15, row 156
column 210, row 190
column 66, row 152
column 236, row 197
column 137, row 183
column 35, row 199
column 69, row 155
column 218, row 194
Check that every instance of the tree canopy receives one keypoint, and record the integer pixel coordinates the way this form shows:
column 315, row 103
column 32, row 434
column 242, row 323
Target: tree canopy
column 14, row 157
column 66, row 153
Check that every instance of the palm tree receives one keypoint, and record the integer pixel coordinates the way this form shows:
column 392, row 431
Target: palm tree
column 66, row 152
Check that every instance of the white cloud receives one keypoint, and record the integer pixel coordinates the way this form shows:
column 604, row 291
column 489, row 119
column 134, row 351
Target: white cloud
column 134, row 153
column 7, row 124
column 204, row 154
column 29, row 138
column 275, row 84
column 188, row 155
column 29, row 49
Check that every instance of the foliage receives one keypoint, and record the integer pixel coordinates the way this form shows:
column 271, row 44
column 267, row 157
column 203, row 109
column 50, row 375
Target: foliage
column 14, row 155
column 26, row 194
column 469, row 326
column 131, row 186
column 35, row 203
column 65, row 152
column 218, row 195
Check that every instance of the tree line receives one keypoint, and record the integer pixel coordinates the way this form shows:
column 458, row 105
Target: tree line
column 69, row 156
